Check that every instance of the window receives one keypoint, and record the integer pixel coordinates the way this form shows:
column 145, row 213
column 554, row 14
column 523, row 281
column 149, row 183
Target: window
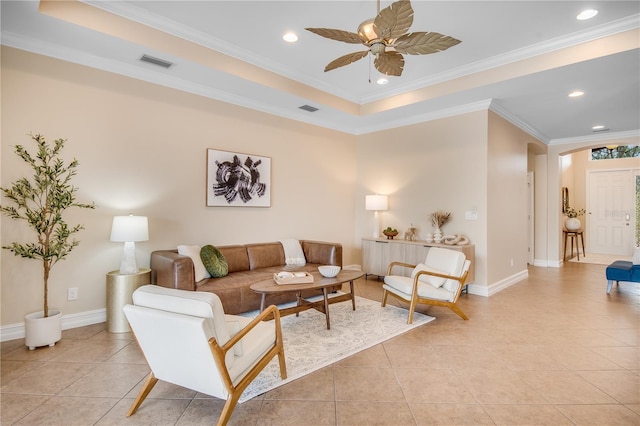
column 615, row 151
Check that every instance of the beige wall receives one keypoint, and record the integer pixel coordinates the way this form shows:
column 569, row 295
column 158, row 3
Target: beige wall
column 142, row 150
column 507, row 225
column 437, row 165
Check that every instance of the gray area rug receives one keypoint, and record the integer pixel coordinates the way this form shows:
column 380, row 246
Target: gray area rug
column 309, row 346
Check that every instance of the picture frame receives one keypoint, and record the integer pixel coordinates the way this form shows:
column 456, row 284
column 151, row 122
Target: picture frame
column 238, row 180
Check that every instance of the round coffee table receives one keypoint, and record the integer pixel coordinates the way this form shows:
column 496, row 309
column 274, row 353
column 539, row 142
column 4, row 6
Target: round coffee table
column 319, row 282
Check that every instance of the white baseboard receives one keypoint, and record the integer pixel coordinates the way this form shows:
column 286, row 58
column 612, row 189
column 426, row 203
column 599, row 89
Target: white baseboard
column 16, row 331
column 494, row 288
column 547, row 263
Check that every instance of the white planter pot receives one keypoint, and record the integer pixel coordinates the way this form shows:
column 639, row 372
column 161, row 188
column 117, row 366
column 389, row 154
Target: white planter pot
column 41, row 331
column 572, row 224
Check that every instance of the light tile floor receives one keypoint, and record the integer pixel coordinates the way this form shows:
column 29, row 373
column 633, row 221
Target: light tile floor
column 553, row 349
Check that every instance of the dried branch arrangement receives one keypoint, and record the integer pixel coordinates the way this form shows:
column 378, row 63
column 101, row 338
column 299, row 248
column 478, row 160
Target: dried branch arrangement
column 440, row 218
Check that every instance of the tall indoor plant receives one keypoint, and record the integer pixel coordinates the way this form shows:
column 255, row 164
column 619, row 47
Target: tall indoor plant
column 40, row 200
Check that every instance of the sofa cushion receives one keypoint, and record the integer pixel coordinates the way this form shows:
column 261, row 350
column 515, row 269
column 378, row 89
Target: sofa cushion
column 429, row 279
column 265, row 255
column 214, row 261
column 403, row 286
column 194, row 253
column 237, row 258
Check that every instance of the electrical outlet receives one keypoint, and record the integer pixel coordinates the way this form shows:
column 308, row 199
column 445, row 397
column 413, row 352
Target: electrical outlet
column 72, row 293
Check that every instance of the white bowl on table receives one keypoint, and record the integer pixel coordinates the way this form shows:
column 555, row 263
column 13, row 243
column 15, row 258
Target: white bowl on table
column 328, row 271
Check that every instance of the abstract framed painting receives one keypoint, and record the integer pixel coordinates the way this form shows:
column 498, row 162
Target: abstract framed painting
column 236, row 179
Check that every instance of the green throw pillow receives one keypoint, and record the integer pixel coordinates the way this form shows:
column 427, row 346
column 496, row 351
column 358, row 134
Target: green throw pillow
column 214, row 261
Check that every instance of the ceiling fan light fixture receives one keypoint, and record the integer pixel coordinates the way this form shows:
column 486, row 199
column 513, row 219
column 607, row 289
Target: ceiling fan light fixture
column 367, row 30
column 389, row 29
column 382, row 81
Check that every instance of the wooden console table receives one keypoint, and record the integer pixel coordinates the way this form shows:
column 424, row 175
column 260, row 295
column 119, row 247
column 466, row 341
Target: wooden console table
column 378, row 253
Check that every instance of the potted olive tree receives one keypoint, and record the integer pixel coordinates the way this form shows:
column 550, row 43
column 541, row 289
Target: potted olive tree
column 40, row 200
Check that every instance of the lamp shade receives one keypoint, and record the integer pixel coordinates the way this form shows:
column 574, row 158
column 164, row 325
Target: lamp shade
column 376, row 202
column 129, row 229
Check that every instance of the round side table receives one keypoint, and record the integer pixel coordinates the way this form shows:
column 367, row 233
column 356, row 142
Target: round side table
column 120, row 288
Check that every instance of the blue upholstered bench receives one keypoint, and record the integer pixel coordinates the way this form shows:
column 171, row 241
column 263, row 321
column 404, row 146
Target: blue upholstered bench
column 622, row 270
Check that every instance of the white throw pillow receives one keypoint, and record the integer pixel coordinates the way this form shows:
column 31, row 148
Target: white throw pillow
column 194, row 253
column 434, row 281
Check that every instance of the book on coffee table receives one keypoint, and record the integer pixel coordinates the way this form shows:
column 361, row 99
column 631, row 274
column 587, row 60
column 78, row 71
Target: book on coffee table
column 286, row 277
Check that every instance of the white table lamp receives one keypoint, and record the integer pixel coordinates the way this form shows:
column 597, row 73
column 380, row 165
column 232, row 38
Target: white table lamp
column 128, row 230
column 376, row 203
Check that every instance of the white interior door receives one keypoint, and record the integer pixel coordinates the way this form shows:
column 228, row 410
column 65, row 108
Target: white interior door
column 610, row 211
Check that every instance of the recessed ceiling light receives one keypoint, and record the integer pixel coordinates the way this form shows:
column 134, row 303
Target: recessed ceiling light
column 598, row 127
column 586, row 14
column 576, row 94
column 382, row 80
column 290, row 37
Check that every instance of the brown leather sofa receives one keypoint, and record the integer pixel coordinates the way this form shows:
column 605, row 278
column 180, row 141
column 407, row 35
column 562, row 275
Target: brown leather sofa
column 248, row 264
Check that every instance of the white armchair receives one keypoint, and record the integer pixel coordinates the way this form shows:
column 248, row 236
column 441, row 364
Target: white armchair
column 438, row 281
column 188, row 340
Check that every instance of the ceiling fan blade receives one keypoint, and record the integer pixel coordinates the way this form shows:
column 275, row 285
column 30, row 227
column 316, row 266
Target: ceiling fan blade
column 423, row 43
column 394, row 21
column 345, row 60
column 339, row 35
column 389, row 63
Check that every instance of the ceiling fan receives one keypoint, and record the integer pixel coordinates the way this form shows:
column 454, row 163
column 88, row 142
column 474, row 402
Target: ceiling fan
column 387, row 38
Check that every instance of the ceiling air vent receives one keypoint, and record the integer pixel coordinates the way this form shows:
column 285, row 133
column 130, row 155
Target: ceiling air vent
column 603, row 129
column 308, row 108
column 156, row 61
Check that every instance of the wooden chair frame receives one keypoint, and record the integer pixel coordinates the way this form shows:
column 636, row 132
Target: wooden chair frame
column 415, row 299
column 219, row 353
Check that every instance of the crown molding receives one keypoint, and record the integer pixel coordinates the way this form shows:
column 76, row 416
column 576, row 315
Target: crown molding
column 421, row 118
column 155, row 77
column 141, row 16
column 517, row 121
column 600, row 137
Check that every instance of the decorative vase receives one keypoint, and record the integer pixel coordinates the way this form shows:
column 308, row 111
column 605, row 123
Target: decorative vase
column 572, row 224
column 429, row 238
column 437, row 236
column 41, row 331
